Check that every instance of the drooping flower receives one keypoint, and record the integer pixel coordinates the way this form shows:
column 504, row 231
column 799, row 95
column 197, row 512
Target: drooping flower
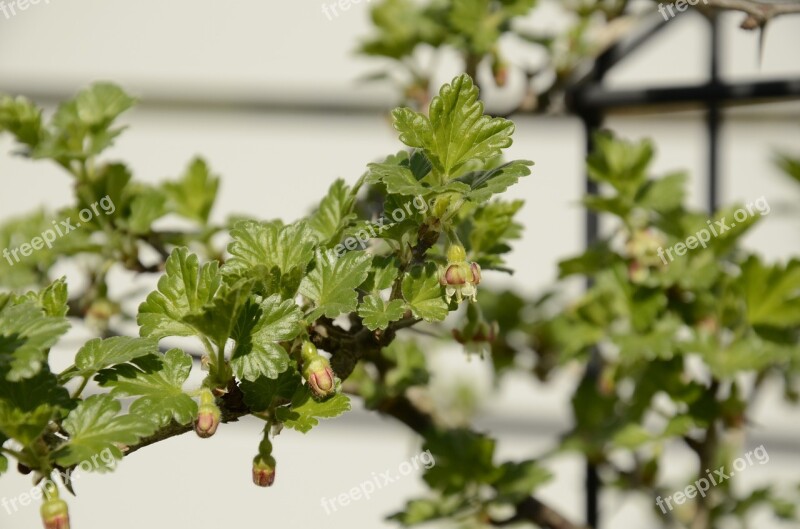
column 460, row 277
column 264, row 464
column 264, row 470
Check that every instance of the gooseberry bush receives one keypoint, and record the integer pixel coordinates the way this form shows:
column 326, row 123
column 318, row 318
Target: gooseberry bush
column 290, row 321
column 261, row 312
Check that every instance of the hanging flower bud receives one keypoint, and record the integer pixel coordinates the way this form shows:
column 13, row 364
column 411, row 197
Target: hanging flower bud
column 499, row 70
column 55, row 514
column 460, row 277
column 264, row 464
column 318, row 372
column 264, row 471
column 208, row 415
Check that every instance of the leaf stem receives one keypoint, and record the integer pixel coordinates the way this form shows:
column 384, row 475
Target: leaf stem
column 81, row 388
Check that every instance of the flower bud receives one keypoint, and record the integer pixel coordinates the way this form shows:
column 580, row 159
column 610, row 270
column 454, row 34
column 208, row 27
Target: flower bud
column 456, row 253
column 264, row 470
column 499, row 70
column 208, row 418
column 475, row 268
column 320, row 377
column 455, row 274
column 460, row 277
column 308, row 352
column 55, row 514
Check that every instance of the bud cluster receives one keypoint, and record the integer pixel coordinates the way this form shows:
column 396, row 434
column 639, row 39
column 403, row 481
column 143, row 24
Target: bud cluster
column 642, row 249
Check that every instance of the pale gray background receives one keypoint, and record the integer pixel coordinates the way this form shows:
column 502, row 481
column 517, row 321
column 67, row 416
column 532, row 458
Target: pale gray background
column 277, row 163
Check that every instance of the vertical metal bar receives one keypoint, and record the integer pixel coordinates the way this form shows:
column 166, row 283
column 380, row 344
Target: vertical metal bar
column 592, row 122
column 714, row 115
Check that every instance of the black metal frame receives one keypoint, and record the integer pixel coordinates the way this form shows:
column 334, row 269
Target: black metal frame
column 591, row 101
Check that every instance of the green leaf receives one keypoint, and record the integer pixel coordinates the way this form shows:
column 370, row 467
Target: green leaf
column 24, row 427
column 305, row 410
column 3, row 459
column 620, row 163
column 81, row 127
column 159, row 386
column 492, row 228
column 462, row 458
column 334, row 213
column 27, row 406
column 147, row 205
column 185, row 289
column 30, row 393
column 409, row 366
column 424, row 294
column 331, row 284
column 95, row 427
column 401, row 26
column 518, row 480
column 632, row 436
column 382, row 275
column 26, row 335
column 426, row 510
column 99, row 354
column 101, row 104
column 398, row 179
column 275, row 255
column 22, row 119
column 475, row 21
column 54, row 298
column 194, row 194
column 788, row 164
column 665, row 194
column 486, row 183
column 772, row 293
column 260, row 393
column 457, row 131
column 218, row 319
column 258, row 333
column 378, row 313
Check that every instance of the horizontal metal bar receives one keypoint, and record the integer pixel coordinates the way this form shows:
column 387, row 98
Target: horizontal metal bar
column 596, row 97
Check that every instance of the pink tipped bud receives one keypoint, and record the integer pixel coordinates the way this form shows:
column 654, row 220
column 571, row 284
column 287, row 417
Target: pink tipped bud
column 55, row 514
column 320, row 377
column 500, row 71
column 264, row 471
column 476, row 273
column 208, row 418
column 455, row 275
